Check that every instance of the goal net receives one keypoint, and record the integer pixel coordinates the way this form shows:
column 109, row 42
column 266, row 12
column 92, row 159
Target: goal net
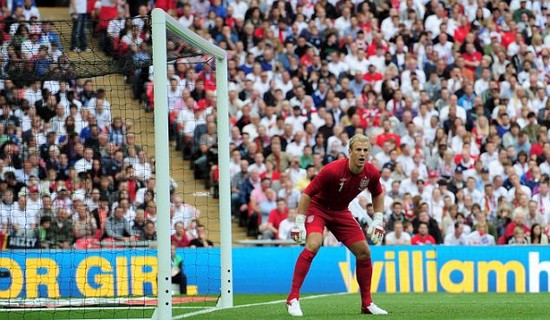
column 110, row 204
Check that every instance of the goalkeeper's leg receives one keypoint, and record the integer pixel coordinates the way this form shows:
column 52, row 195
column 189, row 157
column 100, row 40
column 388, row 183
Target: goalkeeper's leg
column 347, row 230
column 313, row 243
column 364, row 276
column 363, row 269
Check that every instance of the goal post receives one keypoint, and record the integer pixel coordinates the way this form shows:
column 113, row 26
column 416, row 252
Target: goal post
column 161, row 23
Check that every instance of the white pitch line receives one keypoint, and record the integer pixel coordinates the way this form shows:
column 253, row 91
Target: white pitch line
column 205, row 311
column 112, row 319
column 83, row 309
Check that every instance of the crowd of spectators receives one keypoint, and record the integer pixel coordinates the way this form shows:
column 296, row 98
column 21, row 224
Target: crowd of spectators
column 71, row 174
column 453, row 94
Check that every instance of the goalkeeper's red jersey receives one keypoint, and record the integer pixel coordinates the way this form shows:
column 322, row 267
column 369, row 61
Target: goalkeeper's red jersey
column 335, row 186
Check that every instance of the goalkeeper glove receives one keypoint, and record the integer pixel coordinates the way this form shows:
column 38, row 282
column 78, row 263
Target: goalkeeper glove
column 376, row 229
column 298, row 232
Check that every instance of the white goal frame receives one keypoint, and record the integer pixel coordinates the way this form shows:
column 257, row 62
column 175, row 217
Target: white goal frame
column 161, row 23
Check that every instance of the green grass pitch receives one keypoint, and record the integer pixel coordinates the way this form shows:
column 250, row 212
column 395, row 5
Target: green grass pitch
column 401, row 306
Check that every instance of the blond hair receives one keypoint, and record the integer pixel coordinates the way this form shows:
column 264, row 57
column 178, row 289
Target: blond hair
column 361, row 138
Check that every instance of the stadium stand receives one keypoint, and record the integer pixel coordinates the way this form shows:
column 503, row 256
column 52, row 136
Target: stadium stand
column 454, row 96
column 34, row 146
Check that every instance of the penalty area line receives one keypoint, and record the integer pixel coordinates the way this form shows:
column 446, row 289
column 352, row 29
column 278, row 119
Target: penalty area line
column 210, row 310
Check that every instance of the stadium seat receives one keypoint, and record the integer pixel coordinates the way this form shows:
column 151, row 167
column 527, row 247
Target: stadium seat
column 87, row 243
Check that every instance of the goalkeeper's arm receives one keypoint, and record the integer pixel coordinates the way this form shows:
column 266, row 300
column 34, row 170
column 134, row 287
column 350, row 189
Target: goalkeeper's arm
column 298, row 233
column 376, row 229
column 305, row 200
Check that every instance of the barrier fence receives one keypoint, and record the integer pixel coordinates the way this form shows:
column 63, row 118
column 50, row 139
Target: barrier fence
column 122, row 272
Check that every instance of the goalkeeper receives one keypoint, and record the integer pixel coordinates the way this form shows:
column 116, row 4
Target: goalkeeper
column 325, row 203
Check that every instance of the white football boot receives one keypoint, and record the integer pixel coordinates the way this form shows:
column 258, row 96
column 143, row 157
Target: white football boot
column 373, row 309
column 294, row 309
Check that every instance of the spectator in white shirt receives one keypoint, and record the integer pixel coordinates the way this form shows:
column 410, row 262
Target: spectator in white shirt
column 288, row 192
column 405, row 158
column 79, row 12
column 542, row 200
column 408, row 74
column 115, row 26
column 444, row 48
column 410, row 185
column 187, row 17
column 235, row 162
column 239, row 8
column 132, row 37
column 398, row 236
column 294, row 171
column 387, row 25
column 471, row 190
column 296, row 147
column 252, row 127
column 142, row 167
column 102, row 114
column 21, row 220
column 489, row 155
column 385, row 178
column 480, row 237
column 418, row 165
column 422, row 120
column 34, row 202
column 433, row 21
column 258, row 164
column 453, row 110
column 384, row 156
column 33, row 93
column 284, row 82
column 456, row 238
column 517, row 188
column 30, row 10
column 344, row 21
column 336, row 66
column 57, row 123
column 286, row 225
column 482, row 84
column 86, row 162
column 30, row 47
column 296, row 119
column 28, row 170
column 184, row 212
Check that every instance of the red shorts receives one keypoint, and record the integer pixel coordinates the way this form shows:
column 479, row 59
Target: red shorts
column 341, row 223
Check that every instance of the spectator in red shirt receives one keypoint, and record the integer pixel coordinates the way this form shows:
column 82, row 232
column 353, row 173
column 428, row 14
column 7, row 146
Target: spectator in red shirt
column 165, row 5
column 508, row 35
column 387, row 135
column 472, row 58
column 422, row 237
column 372, row 76
column 519, row 221
column 270, row 230
column 179, row 238
column 307, row 59
column 377, row 42
column 463, row 30
column 133, row 183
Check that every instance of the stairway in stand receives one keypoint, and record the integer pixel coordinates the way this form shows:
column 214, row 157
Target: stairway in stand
column 120, row 96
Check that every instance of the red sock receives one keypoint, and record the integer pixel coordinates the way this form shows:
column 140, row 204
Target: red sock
column 364, row 275
column 300, row 271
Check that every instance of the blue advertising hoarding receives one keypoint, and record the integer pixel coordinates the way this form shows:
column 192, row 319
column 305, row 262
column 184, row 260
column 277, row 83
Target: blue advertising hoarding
column 120, row 272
